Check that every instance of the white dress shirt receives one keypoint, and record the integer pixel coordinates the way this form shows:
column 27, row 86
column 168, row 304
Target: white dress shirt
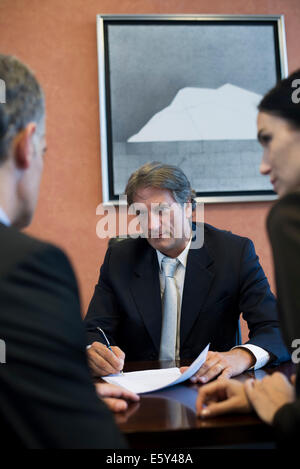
column 4, row 218
column 262, row 356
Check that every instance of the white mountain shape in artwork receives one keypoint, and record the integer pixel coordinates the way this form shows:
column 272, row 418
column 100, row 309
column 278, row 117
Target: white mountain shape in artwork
column 225, row 113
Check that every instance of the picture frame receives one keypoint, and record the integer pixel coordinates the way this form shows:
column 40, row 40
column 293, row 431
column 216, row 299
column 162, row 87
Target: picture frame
column 184, row 90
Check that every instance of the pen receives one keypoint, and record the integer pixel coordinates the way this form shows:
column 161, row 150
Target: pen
column 107, row 341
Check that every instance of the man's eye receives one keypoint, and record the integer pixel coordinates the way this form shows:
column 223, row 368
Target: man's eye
column 163, row 209
column 141, row 213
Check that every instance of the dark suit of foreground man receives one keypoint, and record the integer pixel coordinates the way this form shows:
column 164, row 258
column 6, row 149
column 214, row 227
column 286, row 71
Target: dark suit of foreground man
column 47, row 396
column 222, row 279
column 46, row 393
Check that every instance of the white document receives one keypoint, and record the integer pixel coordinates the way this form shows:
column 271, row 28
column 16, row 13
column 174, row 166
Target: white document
column 153, row 380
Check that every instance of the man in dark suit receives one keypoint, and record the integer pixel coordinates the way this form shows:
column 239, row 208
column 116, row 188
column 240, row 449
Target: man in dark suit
column 212, row 285
column 46, row 392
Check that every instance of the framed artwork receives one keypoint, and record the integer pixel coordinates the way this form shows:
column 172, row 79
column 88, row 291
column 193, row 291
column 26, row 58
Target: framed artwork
column 184, row 90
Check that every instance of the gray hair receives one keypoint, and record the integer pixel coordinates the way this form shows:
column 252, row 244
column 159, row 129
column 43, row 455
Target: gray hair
column 24, row 101
column 162, row 176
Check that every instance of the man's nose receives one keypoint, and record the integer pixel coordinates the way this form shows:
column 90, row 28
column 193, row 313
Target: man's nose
column 154, row 222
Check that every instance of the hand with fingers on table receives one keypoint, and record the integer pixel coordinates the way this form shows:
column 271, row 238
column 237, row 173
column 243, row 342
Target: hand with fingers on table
column 223, row 365
column 104, row 361
column 270, row 394
column 222, row 397
column 123, row 417
column 115, row 397
column 265, row 396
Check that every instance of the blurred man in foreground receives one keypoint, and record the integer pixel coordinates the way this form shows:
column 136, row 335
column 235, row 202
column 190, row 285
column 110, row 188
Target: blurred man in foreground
column 46, row 393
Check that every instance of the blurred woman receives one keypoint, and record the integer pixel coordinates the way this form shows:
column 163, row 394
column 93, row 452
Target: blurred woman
column 274, row 398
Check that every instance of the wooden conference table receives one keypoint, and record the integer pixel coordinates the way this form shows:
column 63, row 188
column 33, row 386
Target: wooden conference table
column 167, row 419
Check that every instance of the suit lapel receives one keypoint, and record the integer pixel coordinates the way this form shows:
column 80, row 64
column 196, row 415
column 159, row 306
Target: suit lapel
column 145, row 289
column 197, row 284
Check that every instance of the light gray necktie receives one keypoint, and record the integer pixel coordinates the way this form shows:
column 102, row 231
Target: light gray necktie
column 169, row 310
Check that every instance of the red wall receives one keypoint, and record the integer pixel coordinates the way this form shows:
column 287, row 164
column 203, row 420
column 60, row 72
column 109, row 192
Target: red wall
column 57, row 38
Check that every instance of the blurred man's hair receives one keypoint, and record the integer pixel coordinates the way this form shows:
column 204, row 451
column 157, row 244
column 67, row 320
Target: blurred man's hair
column 24, row 101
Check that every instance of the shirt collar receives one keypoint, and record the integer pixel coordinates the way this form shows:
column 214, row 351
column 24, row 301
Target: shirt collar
column 182, row 256
column 4, row 218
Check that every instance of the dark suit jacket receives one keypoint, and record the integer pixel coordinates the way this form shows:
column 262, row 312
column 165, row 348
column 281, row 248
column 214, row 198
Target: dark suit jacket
column 223, row 279
column 46, row 393
column 284, row 232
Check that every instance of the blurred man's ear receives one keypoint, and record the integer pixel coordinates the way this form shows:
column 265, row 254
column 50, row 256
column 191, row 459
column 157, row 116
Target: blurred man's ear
column 188, row 209
column 23, row 146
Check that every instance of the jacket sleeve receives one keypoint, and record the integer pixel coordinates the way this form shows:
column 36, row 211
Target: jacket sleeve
column 47, row 394
column 258, row 305
column 104, row 310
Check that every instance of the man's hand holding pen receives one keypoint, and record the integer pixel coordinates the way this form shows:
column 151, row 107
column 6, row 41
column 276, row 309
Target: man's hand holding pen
column 104, row 361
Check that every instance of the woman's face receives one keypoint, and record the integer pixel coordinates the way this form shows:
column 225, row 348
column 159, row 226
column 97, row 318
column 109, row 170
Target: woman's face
column 281, row 156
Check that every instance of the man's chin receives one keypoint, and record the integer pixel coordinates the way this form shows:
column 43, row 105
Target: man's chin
column 161, row 244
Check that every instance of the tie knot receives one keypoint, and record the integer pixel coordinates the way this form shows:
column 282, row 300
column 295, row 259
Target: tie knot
column 169, row 266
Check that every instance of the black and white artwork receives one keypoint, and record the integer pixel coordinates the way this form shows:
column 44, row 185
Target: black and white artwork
column 185, row 92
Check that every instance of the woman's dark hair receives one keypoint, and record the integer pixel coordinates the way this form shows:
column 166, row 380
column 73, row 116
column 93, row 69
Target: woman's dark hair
column 284, row 99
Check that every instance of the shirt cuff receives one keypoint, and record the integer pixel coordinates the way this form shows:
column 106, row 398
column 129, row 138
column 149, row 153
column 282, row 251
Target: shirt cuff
column 262, row 356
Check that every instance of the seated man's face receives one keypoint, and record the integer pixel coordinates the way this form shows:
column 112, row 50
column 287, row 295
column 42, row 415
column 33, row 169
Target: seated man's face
column 164, row 222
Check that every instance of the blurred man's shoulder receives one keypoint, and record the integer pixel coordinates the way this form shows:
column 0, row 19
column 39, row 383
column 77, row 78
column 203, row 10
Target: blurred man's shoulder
column 13, row 241
column 16, row 246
